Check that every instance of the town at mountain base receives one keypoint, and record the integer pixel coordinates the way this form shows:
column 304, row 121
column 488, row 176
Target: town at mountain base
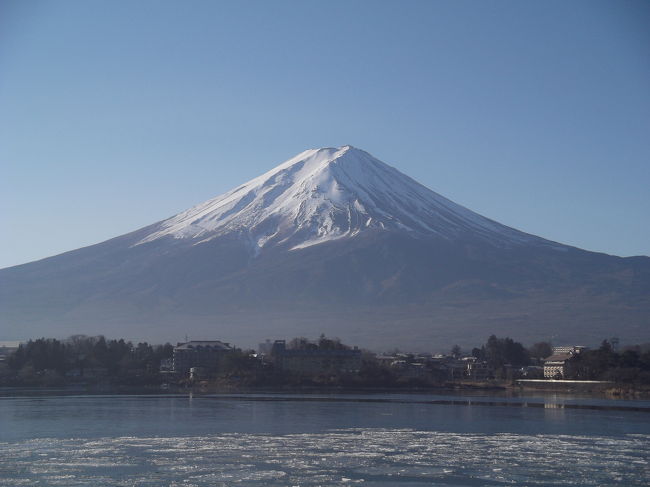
column 332, row 241
column 326, row 363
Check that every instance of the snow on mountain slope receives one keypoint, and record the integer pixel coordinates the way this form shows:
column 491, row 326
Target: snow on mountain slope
column 327, row 194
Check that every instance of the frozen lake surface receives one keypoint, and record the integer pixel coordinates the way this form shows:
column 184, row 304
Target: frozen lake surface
column 307, row 440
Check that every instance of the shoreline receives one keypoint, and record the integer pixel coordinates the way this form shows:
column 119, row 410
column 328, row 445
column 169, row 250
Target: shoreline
column 609, row 391
column 585, row 402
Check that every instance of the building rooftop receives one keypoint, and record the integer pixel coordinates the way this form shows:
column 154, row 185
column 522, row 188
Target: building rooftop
column 559, row 357
column 354, row 351
column 198, row 344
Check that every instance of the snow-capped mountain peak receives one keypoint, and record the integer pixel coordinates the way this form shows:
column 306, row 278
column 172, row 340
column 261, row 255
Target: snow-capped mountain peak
column 327, row 194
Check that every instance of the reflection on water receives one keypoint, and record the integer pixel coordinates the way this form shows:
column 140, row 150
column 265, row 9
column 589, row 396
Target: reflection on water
column 309, row 440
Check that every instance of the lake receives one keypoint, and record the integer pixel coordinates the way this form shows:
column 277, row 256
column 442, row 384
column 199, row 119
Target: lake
column 320, row 440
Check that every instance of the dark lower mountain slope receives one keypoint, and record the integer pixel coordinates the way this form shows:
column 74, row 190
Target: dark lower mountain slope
column 381, row 290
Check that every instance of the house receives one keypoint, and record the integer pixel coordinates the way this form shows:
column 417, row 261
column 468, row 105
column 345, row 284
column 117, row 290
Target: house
column 476, row 369
column 455, row 368
column 6, row 349
column 166, row 366
column 532, row 372
column 315, row 360
column 413, row 368
column 204, row 354
column 197, row 373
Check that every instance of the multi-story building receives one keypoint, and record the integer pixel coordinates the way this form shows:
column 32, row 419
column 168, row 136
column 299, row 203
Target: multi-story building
column 555, row 366
column 572, row 349
column 315, row 361
column 204, row 354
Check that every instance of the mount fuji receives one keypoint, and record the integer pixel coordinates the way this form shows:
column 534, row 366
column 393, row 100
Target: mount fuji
column 331, row 241
column 330, row 194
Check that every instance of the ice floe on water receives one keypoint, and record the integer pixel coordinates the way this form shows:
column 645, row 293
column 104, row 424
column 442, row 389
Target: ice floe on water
column 369, row 457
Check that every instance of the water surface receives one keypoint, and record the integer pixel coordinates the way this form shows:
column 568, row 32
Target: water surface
column 309, row 440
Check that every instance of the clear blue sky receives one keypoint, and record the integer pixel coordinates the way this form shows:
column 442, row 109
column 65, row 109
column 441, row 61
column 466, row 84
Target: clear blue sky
column 115, row 114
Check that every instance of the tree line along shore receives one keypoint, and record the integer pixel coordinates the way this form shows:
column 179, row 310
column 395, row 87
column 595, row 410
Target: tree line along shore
column 324, row 362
